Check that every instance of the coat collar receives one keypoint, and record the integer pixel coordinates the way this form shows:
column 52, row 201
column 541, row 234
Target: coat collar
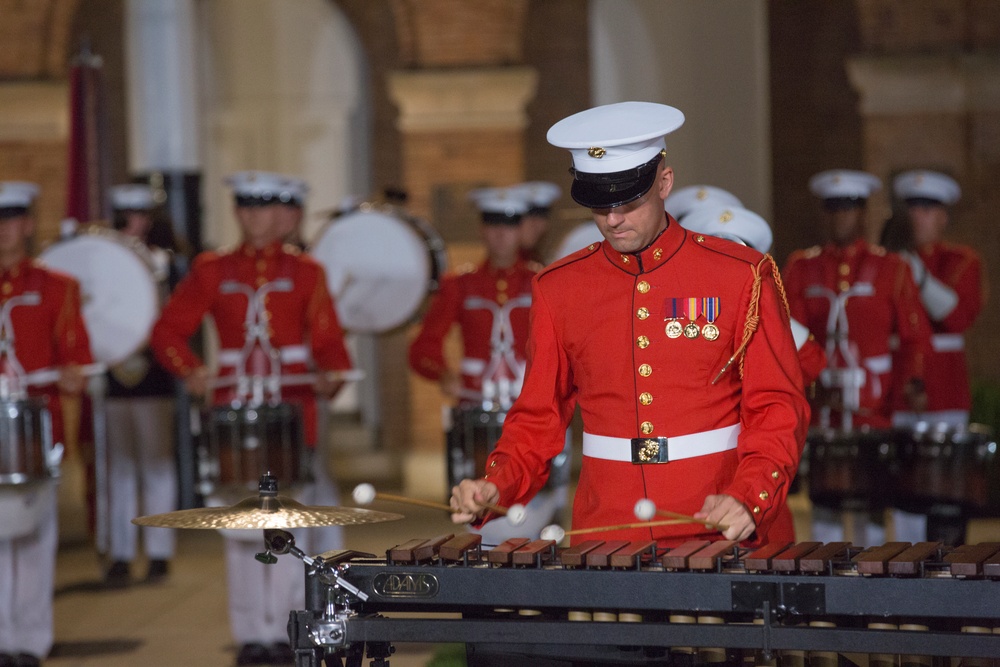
column 656, row 255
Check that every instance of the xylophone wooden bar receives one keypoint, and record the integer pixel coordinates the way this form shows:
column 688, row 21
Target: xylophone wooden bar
column 576, row 555
column 457, row 548
column 531, row 553
column 630, row 556
column 709, row 557
column 760, row 560
column 875, row 560
column 501, row 554
column 818, row 560
column 967, row 560
column 601, row 555
column 907, row 562
column 790, row 559
column 677, row 558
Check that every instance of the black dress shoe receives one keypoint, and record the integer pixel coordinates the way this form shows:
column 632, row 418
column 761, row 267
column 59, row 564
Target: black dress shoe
column 158, row 570
column 253, row 654
column 118, row 575
column 282, row 654
column 27, row 660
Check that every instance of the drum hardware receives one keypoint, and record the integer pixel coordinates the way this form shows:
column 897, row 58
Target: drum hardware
column 266, row 510
column 645, row 509
column 364, row 494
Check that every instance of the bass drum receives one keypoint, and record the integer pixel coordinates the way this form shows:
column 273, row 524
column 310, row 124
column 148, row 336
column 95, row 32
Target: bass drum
column 577, row 238
column 118, row 289
column 380, row 266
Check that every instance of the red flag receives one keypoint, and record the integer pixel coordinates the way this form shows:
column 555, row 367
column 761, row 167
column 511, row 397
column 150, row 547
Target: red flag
column 88, row 169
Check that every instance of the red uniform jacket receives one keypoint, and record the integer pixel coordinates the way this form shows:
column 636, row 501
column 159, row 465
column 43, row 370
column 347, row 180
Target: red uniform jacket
column 945, row 372
column 302, row 316
column 47, row 335
column 490, row 306
column 881, row 304
column 598, row 339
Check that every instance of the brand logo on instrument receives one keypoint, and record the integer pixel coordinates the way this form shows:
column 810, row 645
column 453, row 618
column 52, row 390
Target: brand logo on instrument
column 405, row 585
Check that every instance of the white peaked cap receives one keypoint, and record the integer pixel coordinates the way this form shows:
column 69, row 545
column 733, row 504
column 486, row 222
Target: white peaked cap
column 844, row 184
column 267, row 186
column 131, row 196
column 682, row 201
column 17, row 194
column 933, row 185
column 730, row 222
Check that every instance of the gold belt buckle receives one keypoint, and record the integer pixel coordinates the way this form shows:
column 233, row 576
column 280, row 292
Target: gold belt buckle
column 650, row 450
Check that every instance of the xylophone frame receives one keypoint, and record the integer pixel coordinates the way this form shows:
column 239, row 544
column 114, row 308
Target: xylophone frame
column 856, row 586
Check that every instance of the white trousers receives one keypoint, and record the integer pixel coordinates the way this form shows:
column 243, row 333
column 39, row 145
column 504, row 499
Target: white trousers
column 27, row 579
column 142, row 474
column 260, row 596
column 828, row 526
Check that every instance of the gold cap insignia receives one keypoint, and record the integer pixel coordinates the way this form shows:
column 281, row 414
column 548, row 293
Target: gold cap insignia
column 596, row 152
column 726, row 217
column 702, row 194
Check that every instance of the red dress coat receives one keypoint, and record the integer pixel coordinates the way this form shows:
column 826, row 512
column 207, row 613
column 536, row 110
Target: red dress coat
column 945, row 371
column 598, row 340
column 50, row 334
column 881, row 306
column 303, row 316
column 490, row 306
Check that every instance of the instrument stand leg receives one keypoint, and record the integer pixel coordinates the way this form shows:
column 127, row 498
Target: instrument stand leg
column 380, row 652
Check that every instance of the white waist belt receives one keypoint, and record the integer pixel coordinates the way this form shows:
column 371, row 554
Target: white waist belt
column 879, row 365
column 290, row 354
column 679, row 446
column 471, row 366
column 948, row 342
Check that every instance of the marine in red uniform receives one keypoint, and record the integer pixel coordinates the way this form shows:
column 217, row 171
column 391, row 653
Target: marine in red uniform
column 489, row 303
column 855, row 298
column 41, row 328
column 949, row 278
column 675, row 346
column 267, row 300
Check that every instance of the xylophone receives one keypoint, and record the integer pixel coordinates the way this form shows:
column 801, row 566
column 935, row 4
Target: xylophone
column 525, row 598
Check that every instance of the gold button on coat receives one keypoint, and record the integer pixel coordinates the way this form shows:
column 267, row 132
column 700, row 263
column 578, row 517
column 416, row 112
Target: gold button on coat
column 642, row 342
column 763, row 495
column 643, row 287
column 642, row 313
column 646, row 428
column 645, row 398
column 645, row 370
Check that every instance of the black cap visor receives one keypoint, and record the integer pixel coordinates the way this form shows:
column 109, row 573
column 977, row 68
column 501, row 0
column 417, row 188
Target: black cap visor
column 834, row 204
column 8, row 212
column 923, row 201
column 500, row 218
column 614, row 189
column 267, row 199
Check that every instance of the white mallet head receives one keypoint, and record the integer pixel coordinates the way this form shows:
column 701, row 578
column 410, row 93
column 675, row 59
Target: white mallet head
column 363, row 494
column 516, row 514
column 554, row 533
column 645, row 509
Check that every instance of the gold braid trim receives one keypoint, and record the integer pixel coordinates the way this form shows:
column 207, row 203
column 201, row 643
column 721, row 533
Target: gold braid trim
column 750, row 326
column 779, row 284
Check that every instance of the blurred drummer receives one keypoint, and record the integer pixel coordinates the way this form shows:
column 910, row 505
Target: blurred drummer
column 41, row 327
column 949, row 279
column 489, row 303
column 142, row 472
column 855, row 298
column 540, row 195
column 675, row 346
column 269, row 295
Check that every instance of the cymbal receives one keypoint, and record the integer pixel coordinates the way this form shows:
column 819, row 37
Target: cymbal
column 263, row 512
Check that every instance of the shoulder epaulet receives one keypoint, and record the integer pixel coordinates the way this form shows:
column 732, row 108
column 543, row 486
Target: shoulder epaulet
column 727, row 247
column 877, row 250
column 806, row 253
column 291, row 249
column 571, row 258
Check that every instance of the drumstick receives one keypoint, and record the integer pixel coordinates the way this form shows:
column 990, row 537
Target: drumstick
column 556, row 533
column 646, row 509
column 50, row 375
column 364, row 494
column 352, row 375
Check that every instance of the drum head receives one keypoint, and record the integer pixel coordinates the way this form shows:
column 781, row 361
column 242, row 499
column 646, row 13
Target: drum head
column 579, row 237
column 120, row 299
column 378, row 267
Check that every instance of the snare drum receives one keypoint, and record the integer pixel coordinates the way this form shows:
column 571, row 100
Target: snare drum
column 941, row 466
column 474, row 434
column 118, row 289
column 850, row 471
column 239, row 444
column 26, row 451
column 380, row 266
